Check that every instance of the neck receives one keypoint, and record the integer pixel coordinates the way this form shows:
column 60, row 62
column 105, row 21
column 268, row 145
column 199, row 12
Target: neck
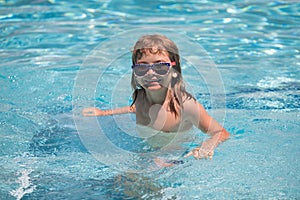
column 156, row 96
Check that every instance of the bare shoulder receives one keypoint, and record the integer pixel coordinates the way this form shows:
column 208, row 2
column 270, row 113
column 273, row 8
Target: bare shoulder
column 191, row 105
column 192, row 108
column 196, row 113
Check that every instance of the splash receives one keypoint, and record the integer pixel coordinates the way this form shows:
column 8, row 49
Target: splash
column 26, row 186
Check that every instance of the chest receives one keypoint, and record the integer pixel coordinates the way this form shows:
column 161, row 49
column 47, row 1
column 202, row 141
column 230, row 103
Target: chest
column 158, row 117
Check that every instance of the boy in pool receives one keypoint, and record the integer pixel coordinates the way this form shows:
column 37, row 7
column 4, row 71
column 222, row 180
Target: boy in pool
column 160, row 100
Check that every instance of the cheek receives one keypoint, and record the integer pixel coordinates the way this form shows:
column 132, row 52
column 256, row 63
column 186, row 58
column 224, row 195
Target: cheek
column 168, row 78
column 139, row 81
column 166, row 81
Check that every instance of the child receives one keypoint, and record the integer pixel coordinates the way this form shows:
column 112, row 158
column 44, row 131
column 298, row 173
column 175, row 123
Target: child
column 160, row 100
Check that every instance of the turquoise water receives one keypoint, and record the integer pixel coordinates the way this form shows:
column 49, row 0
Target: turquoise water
column 49, row 51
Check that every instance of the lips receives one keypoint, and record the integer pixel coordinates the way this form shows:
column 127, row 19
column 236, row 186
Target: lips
column 152, row 82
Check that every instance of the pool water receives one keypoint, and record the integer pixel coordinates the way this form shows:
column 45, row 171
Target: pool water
column 50, row 63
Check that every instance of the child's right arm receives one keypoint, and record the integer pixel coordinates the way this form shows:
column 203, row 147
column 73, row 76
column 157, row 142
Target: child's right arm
column 92, row 112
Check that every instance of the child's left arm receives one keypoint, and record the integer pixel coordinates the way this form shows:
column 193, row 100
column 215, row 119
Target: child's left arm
column 202, row 120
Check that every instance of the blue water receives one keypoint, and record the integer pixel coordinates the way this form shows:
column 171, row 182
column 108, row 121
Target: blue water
column 49, row 57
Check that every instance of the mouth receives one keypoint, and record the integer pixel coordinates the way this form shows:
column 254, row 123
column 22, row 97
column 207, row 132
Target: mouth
column 152, row 82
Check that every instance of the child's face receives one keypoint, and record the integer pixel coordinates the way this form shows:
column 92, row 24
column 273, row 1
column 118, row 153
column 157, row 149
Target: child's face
column 152, row 80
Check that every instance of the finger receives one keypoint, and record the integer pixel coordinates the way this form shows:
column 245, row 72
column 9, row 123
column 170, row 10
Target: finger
column 197, row 155
column 211, row 154
column 88, row 112
column 88, row 115
column 188, row 154
column 203, row 154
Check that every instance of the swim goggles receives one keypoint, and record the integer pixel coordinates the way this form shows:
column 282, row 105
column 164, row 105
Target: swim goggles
column 161, row 68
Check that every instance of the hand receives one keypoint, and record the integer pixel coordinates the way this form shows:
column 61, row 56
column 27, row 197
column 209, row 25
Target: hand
column 199, row 153
column 162, row 163
column 207, row 148
column 92, row 112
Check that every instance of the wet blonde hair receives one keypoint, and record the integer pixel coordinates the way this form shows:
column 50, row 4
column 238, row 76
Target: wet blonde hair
column 153, row 44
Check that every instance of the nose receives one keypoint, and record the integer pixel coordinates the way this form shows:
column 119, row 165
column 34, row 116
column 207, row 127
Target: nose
column 150, row 71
